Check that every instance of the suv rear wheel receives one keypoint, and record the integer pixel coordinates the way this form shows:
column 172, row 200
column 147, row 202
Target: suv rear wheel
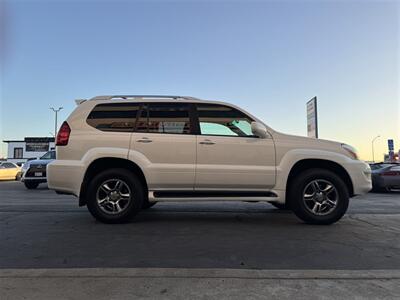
column 115, row 196
column 319, row 196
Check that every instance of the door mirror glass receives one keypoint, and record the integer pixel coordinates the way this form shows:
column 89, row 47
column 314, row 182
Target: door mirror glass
column 259, row 130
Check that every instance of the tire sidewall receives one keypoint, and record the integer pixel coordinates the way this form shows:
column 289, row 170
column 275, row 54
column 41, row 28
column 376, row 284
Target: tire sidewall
column 133, row 207
column 31, row 185
column 296, row 196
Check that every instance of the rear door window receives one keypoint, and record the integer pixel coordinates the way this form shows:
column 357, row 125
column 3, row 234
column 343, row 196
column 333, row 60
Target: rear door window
column 114, row 116
column 170, row 118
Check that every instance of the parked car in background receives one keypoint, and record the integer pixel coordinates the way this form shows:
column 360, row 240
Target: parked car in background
column 9, row 171
column 121, row 154
column 34, row 171
column 385, row 176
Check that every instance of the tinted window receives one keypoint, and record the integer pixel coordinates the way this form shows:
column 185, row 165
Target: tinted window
column 164, row 118
column 114, row 117
column 223, row 120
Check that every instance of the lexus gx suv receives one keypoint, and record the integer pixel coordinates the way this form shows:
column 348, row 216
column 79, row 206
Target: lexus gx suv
column 121, row 154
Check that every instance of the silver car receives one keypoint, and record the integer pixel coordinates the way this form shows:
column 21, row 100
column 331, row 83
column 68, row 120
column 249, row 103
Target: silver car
column 385, row 176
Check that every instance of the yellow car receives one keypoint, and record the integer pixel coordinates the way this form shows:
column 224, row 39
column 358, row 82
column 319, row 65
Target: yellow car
column 9, row 171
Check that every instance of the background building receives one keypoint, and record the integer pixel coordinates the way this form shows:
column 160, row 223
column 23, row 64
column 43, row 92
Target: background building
column 28, row 148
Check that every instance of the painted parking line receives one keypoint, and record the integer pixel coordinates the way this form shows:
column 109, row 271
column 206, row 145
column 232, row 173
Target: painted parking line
column 199, row 273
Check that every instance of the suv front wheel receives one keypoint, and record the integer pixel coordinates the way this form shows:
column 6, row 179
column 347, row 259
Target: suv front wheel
column 115, row 196
column 318, row 196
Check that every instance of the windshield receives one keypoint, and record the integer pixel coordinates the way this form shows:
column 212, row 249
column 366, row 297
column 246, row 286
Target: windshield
column 49, row 155
column 380, row 166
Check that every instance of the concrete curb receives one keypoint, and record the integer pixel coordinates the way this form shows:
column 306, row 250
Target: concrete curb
column 200, row 273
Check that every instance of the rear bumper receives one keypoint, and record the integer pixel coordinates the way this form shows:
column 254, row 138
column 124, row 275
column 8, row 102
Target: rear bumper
column 65, row 176
column 360, row 174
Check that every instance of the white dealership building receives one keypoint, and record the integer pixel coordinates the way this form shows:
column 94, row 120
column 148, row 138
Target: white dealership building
column 29, row 148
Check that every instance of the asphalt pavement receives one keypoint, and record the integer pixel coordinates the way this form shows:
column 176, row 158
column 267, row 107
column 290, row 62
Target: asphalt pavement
column 40, row 230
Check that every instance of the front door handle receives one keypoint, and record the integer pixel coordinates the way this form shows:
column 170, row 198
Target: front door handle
column 144, row 140
column 207, row 142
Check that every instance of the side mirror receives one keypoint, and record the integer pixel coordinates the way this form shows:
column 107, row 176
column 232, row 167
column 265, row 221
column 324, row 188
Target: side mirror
column 259, row 130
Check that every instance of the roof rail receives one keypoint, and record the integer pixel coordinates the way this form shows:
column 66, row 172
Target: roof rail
column 110, row 97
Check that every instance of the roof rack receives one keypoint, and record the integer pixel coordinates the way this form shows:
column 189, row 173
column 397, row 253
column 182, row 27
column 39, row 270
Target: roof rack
column 139, row 97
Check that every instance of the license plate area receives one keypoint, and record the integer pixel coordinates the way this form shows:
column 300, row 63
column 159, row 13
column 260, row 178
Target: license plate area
column 38, row 174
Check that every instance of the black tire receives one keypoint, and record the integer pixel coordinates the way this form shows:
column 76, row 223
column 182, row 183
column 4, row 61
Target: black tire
column 147, row 204
column 302, row 210
column 281, row 206
column 18, row 177
column 135, row 203
column 31, row 185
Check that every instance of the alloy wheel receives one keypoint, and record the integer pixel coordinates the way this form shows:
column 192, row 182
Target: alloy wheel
column 320, row 197
column 113, row 196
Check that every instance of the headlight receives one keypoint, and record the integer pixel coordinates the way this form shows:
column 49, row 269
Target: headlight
column 350, row 150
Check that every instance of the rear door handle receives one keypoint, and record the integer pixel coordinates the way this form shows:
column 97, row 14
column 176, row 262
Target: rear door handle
column 207, row 142
column 144, row 140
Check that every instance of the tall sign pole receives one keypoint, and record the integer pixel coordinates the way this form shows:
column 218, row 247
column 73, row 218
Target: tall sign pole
column 372, row 144
column 312, row 118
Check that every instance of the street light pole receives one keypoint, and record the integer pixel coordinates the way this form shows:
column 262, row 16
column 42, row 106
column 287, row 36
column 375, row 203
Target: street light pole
column 55, row 121
column 372, row 143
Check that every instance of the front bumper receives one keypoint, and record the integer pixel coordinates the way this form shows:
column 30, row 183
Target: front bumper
column 30, row 175
column 360, row 174
column 34, row 179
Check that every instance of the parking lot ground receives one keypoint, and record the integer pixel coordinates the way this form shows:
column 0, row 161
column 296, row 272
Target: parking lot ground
column 194, row 250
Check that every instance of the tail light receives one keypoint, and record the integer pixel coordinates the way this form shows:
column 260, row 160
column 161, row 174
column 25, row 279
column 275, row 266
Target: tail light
column 63, row 135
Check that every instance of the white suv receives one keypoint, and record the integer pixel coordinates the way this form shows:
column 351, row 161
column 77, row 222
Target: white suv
column 121, row 154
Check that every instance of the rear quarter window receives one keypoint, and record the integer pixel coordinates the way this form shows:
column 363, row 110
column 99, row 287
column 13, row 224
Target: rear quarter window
column 119, row 117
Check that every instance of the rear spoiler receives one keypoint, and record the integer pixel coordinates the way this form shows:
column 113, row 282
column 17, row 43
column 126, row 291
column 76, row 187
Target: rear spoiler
column 79, row 101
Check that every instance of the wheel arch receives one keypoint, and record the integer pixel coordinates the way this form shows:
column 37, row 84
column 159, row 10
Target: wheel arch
column 306, row 164
column 105, row 163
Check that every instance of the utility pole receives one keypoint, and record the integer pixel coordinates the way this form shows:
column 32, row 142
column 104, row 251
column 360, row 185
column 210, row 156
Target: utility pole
column 55, row 121
column 373, row 152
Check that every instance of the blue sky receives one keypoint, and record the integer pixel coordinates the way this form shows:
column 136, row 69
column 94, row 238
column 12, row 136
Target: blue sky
column 268, row 57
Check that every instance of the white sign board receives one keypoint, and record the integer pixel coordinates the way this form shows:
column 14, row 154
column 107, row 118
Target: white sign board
column 312, row 119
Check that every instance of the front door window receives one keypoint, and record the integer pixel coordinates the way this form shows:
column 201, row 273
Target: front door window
column 223, row 121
